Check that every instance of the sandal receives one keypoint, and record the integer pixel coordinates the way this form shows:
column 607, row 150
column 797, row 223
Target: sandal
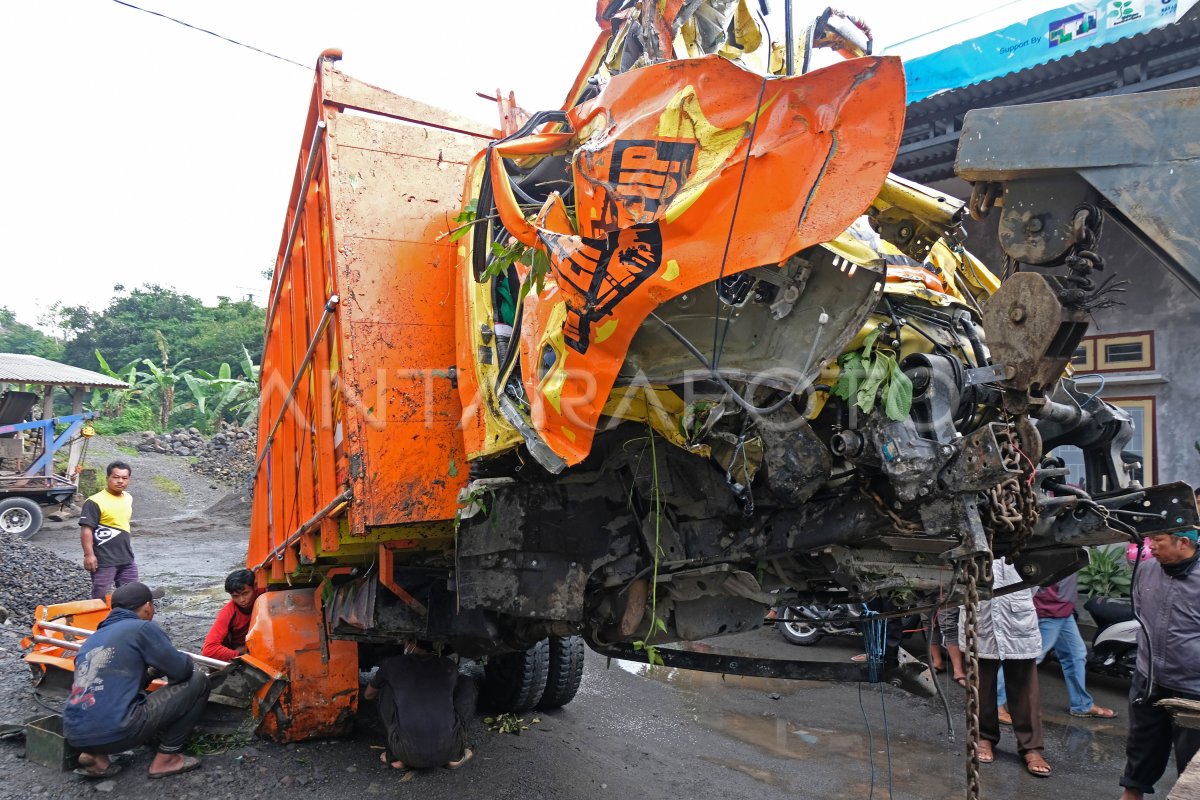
column 1097, row 712
column 1037, row 766
column 189, row 763
column 985, row 753
column 93, row 772
column 961, row 680
column 383, row 759
column 1003, row 716
column 466, row 756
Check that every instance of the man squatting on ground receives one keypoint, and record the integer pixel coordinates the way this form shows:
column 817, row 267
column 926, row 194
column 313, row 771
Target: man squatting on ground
column 226, row 639
column 425, row 704
column 1167, row 598
column 109, row 710
column 104, row 532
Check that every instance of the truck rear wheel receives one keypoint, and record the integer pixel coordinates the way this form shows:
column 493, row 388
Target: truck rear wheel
column 20, row 516
column 516, row 681
column 565, row 673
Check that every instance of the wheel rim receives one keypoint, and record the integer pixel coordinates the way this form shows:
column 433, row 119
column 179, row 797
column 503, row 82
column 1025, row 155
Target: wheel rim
column 797, row 627
column 15, row 520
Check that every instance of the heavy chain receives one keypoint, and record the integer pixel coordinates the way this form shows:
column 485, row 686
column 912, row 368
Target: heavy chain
column 1012, row 510
column 975, row 570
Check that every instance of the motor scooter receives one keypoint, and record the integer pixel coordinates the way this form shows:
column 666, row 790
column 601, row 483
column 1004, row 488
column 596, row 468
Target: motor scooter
column 808, row 624
column 1114, row 647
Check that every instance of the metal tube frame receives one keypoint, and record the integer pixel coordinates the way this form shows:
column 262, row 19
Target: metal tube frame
column 215, row 663
column 277, row 554
column 285, row 255
column 330, row 305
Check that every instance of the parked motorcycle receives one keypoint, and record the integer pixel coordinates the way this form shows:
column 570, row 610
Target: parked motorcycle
column 1114, row 648
column 807, row 625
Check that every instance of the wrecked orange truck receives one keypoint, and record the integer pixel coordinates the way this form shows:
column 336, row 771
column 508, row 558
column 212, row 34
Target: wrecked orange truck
column 634, row 370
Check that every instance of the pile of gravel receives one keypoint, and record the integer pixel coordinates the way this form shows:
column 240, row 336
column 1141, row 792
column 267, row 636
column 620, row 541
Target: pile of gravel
column 32, row 577
column 179, row 442
column 228, row 456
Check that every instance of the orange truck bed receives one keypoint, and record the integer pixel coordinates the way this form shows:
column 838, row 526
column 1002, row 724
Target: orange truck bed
column 358, row 432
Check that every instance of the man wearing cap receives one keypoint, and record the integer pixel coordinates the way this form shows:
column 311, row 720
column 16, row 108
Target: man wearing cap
column 1167, row 599
column 109, row 710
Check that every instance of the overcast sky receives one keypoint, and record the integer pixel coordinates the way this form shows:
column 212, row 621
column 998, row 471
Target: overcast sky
column 139, row 150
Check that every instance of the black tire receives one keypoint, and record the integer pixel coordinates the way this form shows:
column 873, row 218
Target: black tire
column 565, row 672
column 796, row 629
column 516, row 681
column 20, row 516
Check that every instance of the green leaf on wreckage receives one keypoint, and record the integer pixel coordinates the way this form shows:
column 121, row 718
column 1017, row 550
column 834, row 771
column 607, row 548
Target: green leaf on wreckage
column 897, row 401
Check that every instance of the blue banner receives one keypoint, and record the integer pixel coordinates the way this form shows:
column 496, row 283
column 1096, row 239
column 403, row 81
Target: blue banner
column 1037, row 40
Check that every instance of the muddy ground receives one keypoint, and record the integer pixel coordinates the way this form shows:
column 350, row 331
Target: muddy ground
column 631, row 732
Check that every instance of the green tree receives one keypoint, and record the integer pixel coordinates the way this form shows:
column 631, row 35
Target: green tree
column 206, row 336
column 17, row 337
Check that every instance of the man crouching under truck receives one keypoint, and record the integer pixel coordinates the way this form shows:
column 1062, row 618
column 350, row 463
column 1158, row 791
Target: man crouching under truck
column 424, row 704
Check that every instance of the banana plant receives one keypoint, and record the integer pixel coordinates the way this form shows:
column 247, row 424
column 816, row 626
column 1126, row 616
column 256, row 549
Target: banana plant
column 216, row 396
column 158, row 383
column 113, row 401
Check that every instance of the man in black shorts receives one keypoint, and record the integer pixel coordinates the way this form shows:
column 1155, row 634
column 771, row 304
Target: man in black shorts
column 425, row 705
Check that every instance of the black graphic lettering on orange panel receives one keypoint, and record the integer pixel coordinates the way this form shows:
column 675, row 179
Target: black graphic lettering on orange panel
column 602, row 273
column 647, row 173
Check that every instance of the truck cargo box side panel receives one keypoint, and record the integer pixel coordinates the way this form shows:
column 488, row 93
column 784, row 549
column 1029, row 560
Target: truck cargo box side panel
column 393, row 187
column 358, row 419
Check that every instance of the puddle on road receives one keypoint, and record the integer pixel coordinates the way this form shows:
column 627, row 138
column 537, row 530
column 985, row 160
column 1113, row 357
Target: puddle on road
column 784, row 738
column 1099, row 743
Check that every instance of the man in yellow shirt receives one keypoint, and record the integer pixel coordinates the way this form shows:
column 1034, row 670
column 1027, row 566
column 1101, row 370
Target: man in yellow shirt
column 104, row 533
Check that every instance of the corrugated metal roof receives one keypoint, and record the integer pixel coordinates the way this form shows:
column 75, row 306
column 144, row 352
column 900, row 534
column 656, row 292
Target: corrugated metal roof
column 1163, row 58
column 1063, row 69
column 20, row 368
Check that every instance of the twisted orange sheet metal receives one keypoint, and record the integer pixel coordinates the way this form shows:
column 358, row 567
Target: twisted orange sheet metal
column 662, row 165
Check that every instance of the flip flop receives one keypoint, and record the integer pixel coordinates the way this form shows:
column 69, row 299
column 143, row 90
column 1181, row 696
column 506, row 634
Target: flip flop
column 92, row 772
column 961, row 680
column 189, row 763
column 859, row 659
column 986, row 756
column 1004, row 717
column 466, row 756
column 1033, row 760
column 1097, row 712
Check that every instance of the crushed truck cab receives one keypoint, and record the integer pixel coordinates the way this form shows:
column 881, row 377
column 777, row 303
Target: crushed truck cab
column 633, row 370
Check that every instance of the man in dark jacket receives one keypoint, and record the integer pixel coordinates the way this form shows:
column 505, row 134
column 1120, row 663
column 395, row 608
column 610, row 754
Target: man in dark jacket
column 425, row 705
column 1167, row 598
column 109, row 710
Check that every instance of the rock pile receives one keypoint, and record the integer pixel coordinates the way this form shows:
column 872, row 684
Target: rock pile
column 31, row 576
column 229, row 455
column 179, row 442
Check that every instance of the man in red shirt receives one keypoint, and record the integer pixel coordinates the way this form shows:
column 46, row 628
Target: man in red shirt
column 226, row 638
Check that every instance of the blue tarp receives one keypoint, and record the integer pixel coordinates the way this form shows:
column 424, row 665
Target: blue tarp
column 1065, row 30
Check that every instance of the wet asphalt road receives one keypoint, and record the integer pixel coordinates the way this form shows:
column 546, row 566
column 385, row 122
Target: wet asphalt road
column 632, row 732
column 635, row 732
